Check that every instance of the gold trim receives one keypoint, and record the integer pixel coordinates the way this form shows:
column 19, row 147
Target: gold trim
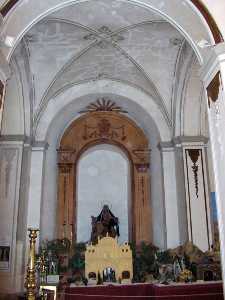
column 30, row 283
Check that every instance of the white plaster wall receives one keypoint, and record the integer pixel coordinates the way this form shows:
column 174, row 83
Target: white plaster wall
column 10, row 172
column 102, row 178
column 49, row 195
column 192, row 102
column 13, row 114
column 157, row 191
column 181, row 196
column 36, row 187
column 170, row 193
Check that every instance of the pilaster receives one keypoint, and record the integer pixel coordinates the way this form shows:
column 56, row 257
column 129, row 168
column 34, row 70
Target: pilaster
column 213, row 76
column 11, row 153
column 38, row 151
column 170, row 194
column 197, row 195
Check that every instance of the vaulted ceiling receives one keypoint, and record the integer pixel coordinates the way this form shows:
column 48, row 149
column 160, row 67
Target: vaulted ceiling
column 109, row 39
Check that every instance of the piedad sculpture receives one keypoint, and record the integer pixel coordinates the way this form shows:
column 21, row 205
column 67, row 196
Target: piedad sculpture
column 105, row 223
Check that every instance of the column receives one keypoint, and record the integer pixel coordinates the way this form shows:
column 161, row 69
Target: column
column 66, row 192
column 142, row 209
column 36, row 188
column 170, row 192
column 213, row 75
column 197, row 195
column 181, row 192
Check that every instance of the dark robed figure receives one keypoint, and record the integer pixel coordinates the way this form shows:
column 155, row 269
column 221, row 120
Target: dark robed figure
column 104, row 223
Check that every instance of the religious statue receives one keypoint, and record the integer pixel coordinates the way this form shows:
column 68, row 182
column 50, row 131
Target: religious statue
column 105, row 223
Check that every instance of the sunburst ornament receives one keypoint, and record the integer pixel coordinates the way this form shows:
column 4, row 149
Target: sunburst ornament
column 104, row 105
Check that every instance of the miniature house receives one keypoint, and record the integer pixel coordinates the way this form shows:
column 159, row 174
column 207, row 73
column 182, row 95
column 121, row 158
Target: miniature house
column 109, row 254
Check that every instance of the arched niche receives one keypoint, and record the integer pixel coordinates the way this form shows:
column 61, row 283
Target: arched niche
column 103, row 127
column 103, row 177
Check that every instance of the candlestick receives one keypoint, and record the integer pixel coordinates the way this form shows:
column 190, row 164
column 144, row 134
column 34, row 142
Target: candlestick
column 30, row 283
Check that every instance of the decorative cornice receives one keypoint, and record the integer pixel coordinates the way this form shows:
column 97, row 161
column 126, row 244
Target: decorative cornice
column 190, row 141
column 39, row 146
column 212, row 63
column 166, row 146
column 183, row 141
column 14, row 138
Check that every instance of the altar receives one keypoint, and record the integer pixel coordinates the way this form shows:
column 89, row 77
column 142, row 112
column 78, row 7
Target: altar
column 203, row 291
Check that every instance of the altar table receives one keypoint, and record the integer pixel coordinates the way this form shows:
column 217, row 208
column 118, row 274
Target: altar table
column 195, row 291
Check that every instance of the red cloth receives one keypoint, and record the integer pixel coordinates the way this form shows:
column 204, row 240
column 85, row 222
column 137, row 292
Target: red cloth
column 207, row 291
column 83, row 293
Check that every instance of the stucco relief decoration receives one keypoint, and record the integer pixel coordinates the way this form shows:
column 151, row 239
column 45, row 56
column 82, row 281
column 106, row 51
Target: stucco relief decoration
column 103, row 104
column 65, row 160
column 66, row 156
column 6, row 164
column 194, row 155
column 143, row 157
column 213, row 92
column 103, row 36
column 104, row 130
column 64, row 168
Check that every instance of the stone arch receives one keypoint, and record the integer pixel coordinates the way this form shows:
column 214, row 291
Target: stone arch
column 94, row 89
column 104, row 128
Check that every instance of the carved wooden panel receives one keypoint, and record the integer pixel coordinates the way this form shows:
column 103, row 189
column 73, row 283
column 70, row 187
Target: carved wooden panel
column 96, row 128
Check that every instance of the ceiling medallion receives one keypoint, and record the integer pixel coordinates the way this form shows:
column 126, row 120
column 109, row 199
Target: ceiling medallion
column 103, row 105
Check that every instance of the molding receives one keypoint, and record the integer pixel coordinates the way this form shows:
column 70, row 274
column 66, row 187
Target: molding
column 24, row 140
column 13, row 138
column 39, row 146
column 212, row 65
column 181, row 141
column 166, row 146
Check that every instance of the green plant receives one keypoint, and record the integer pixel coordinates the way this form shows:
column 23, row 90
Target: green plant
column 143, row 261
column 77, row 261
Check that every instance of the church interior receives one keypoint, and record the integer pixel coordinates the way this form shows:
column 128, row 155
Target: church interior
column 112, row 149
